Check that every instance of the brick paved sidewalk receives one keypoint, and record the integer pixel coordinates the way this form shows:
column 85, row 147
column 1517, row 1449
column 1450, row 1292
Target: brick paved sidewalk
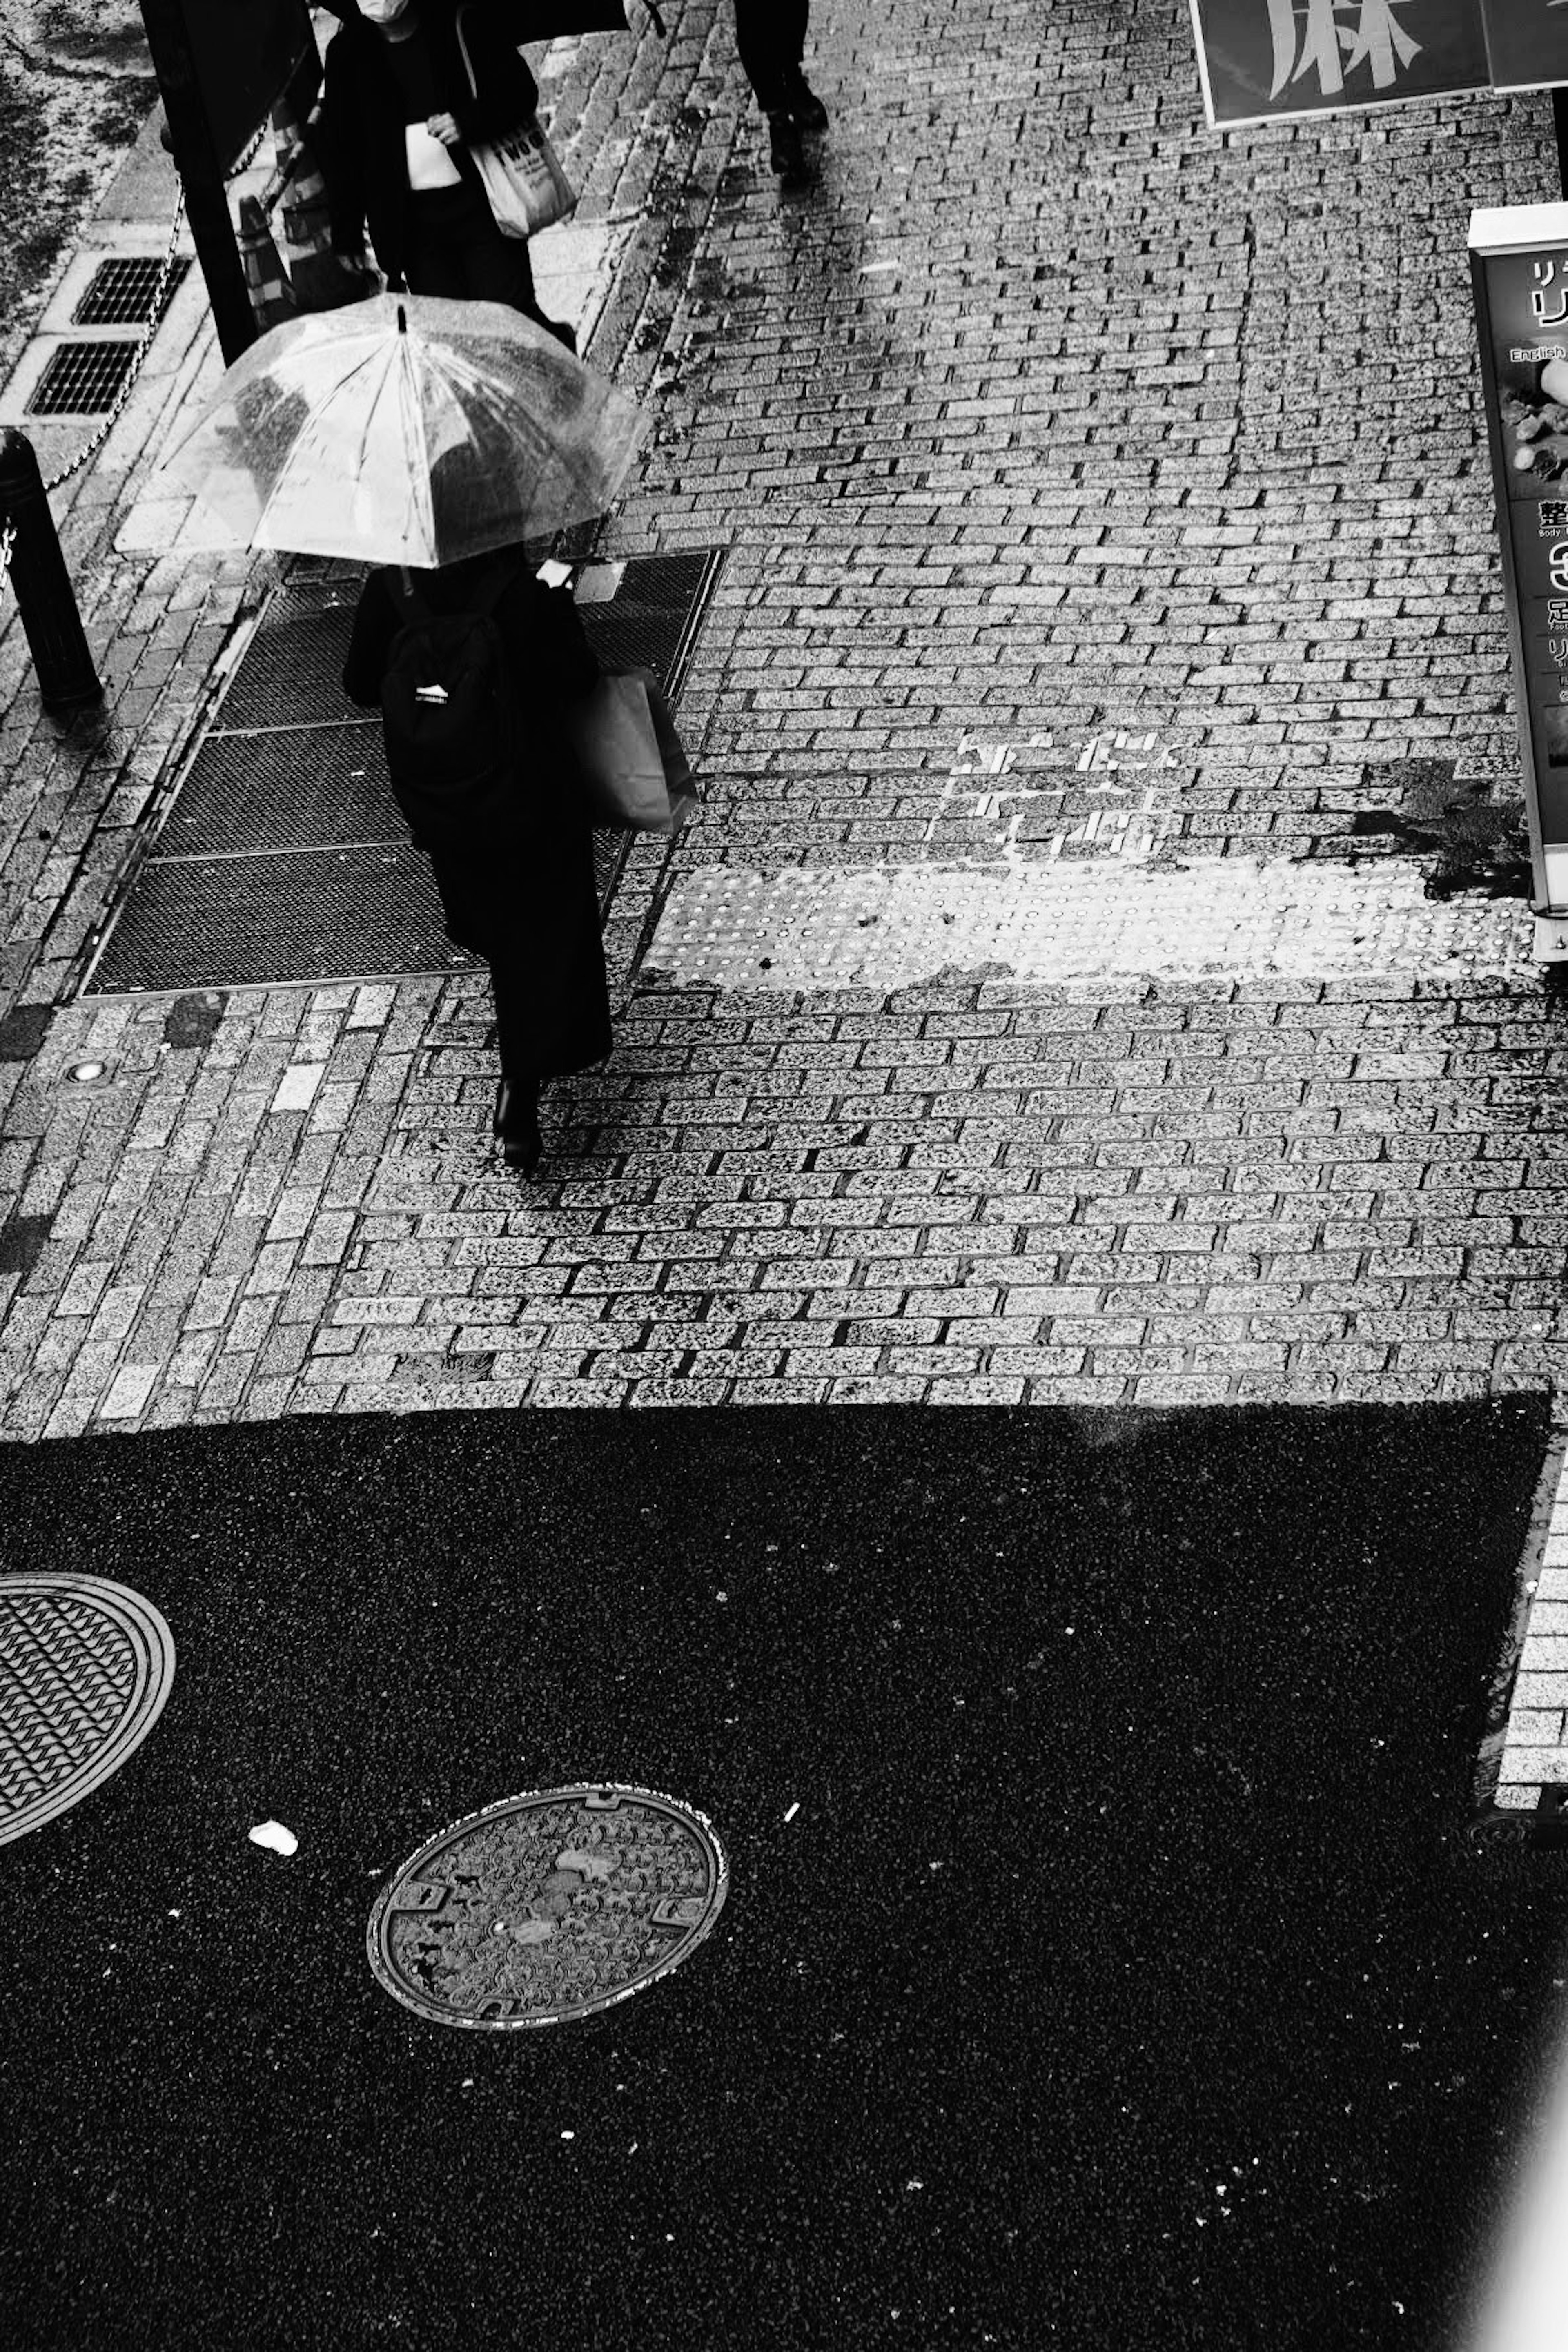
column 1097, row 490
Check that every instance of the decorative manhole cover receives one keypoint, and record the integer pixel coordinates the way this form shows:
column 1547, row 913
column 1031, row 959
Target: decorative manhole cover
column 548, row 1906
column 85, row 1668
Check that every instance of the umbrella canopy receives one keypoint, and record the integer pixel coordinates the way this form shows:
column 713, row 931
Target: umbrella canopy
column 403, row 430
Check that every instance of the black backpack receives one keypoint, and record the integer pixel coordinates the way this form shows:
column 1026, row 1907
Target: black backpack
column 451, row 724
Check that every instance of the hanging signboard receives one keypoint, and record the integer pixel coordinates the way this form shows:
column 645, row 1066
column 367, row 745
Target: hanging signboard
column 1518, row 273
column 1274, row 60
column 1527, row 43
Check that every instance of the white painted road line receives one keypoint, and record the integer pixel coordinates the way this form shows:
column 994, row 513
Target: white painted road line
column 1232, row 918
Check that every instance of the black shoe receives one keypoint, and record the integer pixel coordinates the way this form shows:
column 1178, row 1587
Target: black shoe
column 522, row 1147
column 805, row 108
column 786, row 155
column 516, row 1123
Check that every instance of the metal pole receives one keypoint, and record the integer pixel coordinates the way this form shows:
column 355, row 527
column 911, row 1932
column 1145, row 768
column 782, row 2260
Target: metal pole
column 36, row 572
column 201, row 170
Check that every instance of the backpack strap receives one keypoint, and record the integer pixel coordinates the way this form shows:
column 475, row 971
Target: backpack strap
column 468, row 61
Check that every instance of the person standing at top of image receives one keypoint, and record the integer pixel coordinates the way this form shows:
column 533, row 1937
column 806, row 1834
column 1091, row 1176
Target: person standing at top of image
column 399, row 110
column 771, row 38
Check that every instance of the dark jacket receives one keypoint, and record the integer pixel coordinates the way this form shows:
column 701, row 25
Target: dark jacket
column 532, row 912
column 364, row 159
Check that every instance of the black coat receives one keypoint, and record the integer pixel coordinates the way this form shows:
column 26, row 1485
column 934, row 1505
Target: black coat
column 532, row 912
column 364, row 156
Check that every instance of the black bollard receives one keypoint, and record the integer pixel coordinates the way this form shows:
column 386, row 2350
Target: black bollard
column 37, row 577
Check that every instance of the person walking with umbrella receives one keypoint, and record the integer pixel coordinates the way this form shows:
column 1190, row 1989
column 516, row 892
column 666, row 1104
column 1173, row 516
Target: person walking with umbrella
column 400, row 113
column 513, row 853
column 440, row 438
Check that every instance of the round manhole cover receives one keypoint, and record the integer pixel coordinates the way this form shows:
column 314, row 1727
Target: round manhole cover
column 85, row 1668
column 548, row 1906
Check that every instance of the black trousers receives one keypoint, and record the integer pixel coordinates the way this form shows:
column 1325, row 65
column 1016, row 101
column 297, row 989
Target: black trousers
column 771, row 38
column 455, row 251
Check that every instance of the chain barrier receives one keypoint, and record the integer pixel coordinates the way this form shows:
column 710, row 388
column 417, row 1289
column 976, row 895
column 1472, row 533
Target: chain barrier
column 155, row 309
column 143, row 343
column 154, row 315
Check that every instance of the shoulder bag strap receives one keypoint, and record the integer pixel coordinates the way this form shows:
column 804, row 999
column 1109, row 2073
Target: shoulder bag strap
column 468, row 61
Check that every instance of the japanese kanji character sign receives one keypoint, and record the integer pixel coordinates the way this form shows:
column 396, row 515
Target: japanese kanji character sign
column 1263, row 59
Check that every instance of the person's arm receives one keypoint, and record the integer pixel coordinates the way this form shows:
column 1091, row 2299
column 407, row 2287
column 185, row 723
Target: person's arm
column 376, row 622
column 340, row 149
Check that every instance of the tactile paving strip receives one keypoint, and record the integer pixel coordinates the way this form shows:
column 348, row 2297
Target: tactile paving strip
column 1239, row 917
column 85, row 1668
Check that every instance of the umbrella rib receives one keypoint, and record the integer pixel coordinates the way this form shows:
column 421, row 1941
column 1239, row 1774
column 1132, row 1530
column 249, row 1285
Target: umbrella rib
column 317, row 413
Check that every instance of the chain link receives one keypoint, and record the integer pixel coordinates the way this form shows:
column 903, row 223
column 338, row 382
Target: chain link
column 248, row 157
column 143, row 343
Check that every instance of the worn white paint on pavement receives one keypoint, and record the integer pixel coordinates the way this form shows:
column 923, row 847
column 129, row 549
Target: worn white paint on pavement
column 1239, row 917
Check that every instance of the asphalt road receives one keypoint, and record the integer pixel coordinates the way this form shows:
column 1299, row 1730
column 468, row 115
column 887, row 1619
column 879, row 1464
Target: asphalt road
column 1126, row 1976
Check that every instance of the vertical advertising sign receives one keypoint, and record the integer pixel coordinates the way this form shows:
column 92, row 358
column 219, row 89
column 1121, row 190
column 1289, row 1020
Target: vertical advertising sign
column 1518, row 273
column 1273, row 60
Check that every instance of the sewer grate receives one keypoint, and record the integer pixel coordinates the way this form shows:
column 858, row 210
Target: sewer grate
column 81, row 378
column 283, row 859
column 85, row 1668
column 548, row 1906
column 122, row 290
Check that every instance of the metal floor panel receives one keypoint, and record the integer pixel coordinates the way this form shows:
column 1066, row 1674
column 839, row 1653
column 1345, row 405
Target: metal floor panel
column 292, row 675
column 283, row 857
column 296, row 788
column 246, row 922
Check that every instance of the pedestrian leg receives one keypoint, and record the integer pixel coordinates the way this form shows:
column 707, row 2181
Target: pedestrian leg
column 516, row 1119
column 497, row 268
column 771, row 38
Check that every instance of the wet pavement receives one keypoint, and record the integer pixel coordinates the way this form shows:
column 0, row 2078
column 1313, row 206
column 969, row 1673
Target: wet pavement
column 1105, row 1960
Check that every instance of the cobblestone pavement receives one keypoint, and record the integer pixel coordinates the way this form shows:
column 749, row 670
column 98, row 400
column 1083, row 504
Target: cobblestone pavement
column 1109, row 556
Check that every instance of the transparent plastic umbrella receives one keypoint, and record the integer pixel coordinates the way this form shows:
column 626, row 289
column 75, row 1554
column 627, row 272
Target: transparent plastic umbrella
column 402, row 430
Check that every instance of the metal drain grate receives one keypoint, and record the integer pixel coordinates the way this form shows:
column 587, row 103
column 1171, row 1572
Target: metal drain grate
column 122, row 291
column 292, row 788
column 283, row 857
column 299, row 915
column 292, row 675
column 81, row 378
column 656, row 613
